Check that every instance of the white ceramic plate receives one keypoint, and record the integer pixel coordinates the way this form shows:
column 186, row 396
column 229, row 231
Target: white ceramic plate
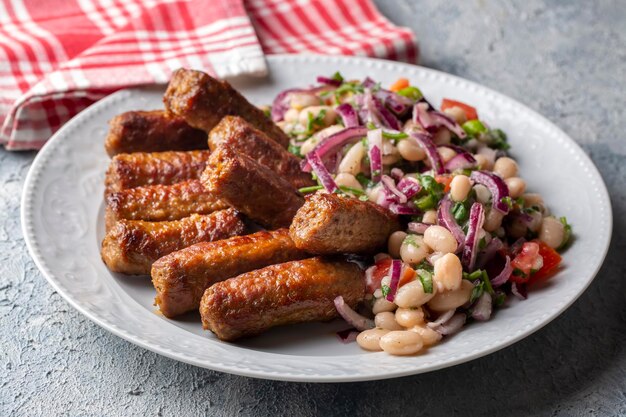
column 62, row 218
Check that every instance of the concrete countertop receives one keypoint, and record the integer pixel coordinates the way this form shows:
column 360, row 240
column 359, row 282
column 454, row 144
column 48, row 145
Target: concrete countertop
column 567, row 60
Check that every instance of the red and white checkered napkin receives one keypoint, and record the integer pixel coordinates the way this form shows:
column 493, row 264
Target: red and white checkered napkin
column 59, row 56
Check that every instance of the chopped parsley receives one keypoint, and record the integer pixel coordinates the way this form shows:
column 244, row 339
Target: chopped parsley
column 426, row 278
column 294, row 149
column 313, row 188
column 411, row 240
column 315, row 122
column 411, row 92
column 430, row 194
column 460, row 212
column 477, row 291
column 495, row 139
column 567, row 233
column 500, row 299
column 351, row 190
column 385, row 290
column 337, row 77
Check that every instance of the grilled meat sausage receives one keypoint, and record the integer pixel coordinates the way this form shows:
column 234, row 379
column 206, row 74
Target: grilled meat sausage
column 130, row 170
column 131, row 246
column 251, row 188
column 235, row 133
column 161, row 202
column 152, row 131
column 181, row 277
column 202, row 101
column 292, row 292
column 331, row 224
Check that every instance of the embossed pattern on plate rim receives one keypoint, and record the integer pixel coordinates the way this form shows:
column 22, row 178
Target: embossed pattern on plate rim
column 332, row 368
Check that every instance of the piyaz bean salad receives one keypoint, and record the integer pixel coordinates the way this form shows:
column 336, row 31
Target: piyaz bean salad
column 474, row 235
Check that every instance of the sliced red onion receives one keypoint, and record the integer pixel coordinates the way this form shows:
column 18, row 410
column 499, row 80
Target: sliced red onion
column 328, row 81
column 446, row 219
column 441, row 319
column 390, row 185
column 516, row 247
column 496, row 186
column 426, row 143
column 347, row 336
column 422, row 116
column 333, row 141
column 385, row 198
column 396, row 269
column 322, row 173
column 375, row 146
column 483, row 307
column 489, row 252
column 404, row 209
column 504, row 275
column 417, row 227
column 470, row 249
column 453, row 325
column 396, row 174
column 463, row 160
column 352, row 317
column 387, row 118
column 281, row 104
column 519, row 290
column 368, row 83
column 409, row 186
column 397, row 103
column 446, row 121
column 348, row 115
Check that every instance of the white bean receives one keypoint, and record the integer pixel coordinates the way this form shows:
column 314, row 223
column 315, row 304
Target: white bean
column 430, row 217
column 387, row 320
column 447, row 300
column 483, row 162
column 382, row 304
column 493, row 220
column 401, row 342
column 516, row 185
column 291, row 116
column 409, row 317
column 440, row 239
column 329, row 117
column 429, row 336
column 374, row 193
column 552, row 232
column 460, row 186
column 505, row 167
column 395, row 242
column 446, row 154
column 448, row 272
column 344, row 179
column 532, row 199
column 457, row 114
column 413, row 249
column 412, row 295
column 351, row 163
column 410, row 150
column 299, row 101
column 370, row 339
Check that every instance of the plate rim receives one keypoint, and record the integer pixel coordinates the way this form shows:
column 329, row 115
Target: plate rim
column 30, row 238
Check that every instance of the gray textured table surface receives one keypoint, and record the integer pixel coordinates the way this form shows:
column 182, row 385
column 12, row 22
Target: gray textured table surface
column 566, row 60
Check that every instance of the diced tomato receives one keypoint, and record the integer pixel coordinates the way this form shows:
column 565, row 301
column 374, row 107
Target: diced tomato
column 407, row 276
column 527, row 260
column 445, row 180
column 551, row 262
column 381, row 269
column 470, row 112
column 399, row 84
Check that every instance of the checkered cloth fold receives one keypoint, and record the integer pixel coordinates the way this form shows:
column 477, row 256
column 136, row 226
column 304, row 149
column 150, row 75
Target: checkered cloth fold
column 58, row 57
